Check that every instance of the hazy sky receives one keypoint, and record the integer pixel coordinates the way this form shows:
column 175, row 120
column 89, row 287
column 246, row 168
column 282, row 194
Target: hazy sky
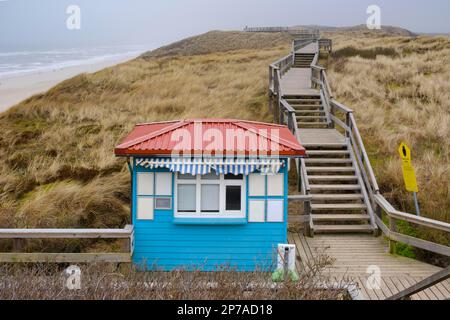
column 37, row 24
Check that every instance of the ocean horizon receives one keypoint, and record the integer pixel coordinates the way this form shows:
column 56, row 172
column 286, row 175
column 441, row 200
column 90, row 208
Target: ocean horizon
column 20, row 63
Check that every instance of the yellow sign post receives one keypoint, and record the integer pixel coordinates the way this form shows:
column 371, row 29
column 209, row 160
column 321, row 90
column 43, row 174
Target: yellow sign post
column 409, row 174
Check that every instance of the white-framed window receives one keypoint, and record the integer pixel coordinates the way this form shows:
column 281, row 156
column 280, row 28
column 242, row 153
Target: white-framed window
column 266, row 203
column 154, row 192
column 210, row 196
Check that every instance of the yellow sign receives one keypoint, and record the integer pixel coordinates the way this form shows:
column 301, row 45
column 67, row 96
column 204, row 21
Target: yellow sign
column 408, row 171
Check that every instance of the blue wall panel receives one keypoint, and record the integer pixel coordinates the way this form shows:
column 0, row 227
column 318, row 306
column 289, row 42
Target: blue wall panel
column 164, row 245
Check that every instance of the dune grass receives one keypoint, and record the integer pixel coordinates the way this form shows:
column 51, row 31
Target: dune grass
column 57, row 163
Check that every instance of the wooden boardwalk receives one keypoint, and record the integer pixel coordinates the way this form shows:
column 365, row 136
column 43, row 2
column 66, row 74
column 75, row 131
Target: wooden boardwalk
column 345, row 212
column 353, row 258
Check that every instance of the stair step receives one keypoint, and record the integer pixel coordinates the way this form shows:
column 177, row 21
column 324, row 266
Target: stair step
column 335, row 187
column 341, row 206
column 332, row 145
column 309, row 96
column 330, row 169
column 340, row 217
column 327, row 152
column 309, row 111
column 311, row 117
column 325, row 161
column 336, row 197
column 303, row 107
column 299, row 100
column 363, row 228
column 333, row 178
column 313, row 124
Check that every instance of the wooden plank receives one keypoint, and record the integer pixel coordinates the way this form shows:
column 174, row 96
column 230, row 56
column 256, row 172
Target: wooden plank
column 444, row 288
column 362, row 279
column 64, row 257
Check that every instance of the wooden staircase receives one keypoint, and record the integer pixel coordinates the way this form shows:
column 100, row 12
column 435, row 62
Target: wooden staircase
column 303, row 60
column 309, row 111
column 339, row 204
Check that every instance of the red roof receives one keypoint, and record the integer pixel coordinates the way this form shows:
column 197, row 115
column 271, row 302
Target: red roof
column 213, row 136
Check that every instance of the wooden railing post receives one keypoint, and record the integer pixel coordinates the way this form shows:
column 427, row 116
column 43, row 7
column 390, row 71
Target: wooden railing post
column 392, row 228
column 18, row 245
column 379, row 214
column 309, row 231
column 348, row 122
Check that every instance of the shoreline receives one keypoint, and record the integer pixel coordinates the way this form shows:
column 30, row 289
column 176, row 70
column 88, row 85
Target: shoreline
column 15, row 89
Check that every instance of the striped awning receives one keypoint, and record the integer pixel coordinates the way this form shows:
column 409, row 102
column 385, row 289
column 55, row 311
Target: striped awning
column 219, row 166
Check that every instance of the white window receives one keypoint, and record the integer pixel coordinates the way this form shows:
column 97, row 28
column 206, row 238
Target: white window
column 256, row 211
column 210, row 196
column 163, row 184
column 145, row 183
column 275, row 185
column 275, row 210
column 186, row 197
column 145, row 208
column 257, row 185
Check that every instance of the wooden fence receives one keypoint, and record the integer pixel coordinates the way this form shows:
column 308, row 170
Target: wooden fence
column 19, row 237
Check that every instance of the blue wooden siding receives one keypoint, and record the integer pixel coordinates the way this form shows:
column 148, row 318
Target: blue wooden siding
column 165, row 244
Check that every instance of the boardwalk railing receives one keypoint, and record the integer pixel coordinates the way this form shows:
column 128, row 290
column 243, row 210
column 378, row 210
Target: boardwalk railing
column 326, row 45
column 300, row 33
column 342, row 117
column 19, row 236
column 279, row 68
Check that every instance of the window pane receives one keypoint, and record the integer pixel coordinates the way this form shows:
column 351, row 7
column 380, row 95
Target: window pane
column 256, row 211
column 211, row 176
column 145, row 183
column 275, row 185
column 186, row 177
column 163, row 203
column 164, row 184
column 186, row 198
column 275, row 211
column 210, row 198
column 233, row 177
column 145, row 208
column 257, row 185
column 233, row 198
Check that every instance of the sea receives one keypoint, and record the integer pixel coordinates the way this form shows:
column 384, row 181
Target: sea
column 18, row 63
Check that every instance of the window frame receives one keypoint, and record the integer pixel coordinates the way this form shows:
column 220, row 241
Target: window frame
column 222, row 183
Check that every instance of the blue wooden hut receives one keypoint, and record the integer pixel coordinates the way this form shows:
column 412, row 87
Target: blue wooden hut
column 209, row 194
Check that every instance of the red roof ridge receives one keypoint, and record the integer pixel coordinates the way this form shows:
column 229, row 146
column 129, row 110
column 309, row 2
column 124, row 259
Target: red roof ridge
column 155, row 123
column 269, row 136
column 152, row 135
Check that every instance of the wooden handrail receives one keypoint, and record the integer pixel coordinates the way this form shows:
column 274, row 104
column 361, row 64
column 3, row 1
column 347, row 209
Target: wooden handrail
column 19, row 235
column 341, row 107
column 423, row 285
column 66, row 233
column 362, row 148
column 421, row 221
column 300, row 197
